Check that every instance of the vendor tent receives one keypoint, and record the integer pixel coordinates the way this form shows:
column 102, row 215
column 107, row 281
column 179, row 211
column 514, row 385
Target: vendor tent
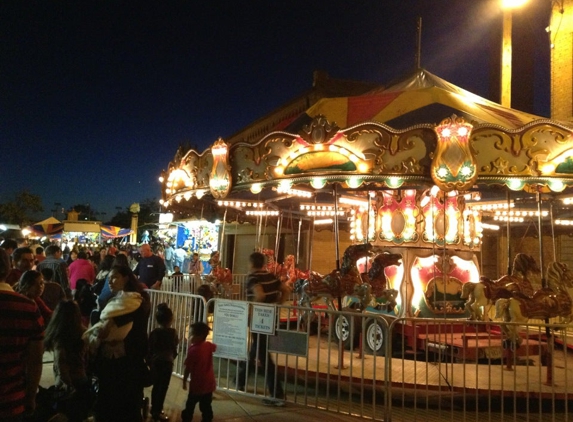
column 420, row 98
column 47, row 227
column 112, row 232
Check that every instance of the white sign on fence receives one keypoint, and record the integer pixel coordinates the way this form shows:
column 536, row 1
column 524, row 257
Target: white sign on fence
column 263, row 320
column 230, row 334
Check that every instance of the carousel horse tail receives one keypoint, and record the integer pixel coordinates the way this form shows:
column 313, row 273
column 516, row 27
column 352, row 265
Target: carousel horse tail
column 467, row 289
column 501, row 307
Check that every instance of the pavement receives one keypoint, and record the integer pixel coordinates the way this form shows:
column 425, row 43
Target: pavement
column 229, row 406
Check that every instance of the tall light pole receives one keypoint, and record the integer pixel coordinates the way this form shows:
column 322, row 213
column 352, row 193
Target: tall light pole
column 507, row 7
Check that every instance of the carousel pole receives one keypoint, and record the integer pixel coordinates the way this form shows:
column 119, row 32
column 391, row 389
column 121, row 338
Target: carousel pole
column 298, row 241
column 549, row 352
column 223, row 233
column 336, row 239
column 336, row 231
column 508, row 234
column 366, row 239
column 552, row 230
column 277, row 240
column 259, row 231
column 310, row 242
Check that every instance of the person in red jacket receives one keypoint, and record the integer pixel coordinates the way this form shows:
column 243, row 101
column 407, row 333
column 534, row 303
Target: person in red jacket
column 199, row 364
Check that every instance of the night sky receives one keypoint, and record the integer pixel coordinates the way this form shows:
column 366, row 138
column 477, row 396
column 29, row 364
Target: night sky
column 96, row 96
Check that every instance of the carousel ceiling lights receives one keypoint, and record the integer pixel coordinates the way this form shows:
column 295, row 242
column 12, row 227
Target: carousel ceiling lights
column 323, row 221
column 492, row 206
column 263, row 213
column 521, row 213
column 358, row 202
column 317, row 207
column 567, row 201
column 241, row 204
column 510, row 219
column 486, row 226
column 284, row 188
column 320, row 210
column 324, row 213
column 562, row 222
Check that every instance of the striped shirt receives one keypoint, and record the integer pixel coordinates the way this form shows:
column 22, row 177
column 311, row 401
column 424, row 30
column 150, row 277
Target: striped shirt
column 20, row 323
column 269, row 285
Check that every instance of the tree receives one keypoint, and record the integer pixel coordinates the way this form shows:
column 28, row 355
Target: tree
column 21, row 209
column 121, row 219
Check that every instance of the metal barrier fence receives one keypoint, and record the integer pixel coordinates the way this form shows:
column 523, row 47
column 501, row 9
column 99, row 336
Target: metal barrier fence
column 190, row 283
column 383, row 368
column 187, row 309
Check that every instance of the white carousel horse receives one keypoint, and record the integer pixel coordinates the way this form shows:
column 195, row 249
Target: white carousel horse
column 550, row 302
column 482, row 295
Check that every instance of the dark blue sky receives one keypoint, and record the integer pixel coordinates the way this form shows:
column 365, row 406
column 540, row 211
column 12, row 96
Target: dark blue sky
column 95, row 96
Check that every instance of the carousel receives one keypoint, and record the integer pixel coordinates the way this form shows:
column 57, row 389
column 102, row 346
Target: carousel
column 435, row 198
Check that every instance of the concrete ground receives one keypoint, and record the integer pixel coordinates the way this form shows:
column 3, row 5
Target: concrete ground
column 228, row 407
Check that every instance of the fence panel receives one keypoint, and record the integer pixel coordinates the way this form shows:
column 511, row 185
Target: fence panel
column 405, row 369
column 187, row 309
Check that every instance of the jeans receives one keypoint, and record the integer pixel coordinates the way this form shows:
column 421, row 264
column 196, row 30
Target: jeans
column 161, row 375
column 204, row 401
column 259, row 353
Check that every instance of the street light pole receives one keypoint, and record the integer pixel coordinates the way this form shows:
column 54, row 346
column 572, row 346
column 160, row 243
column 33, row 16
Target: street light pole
column 507, row 7
column 506, row 57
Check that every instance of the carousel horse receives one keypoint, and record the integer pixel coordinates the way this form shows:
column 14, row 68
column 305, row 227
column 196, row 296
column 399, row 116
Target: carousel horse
column 549, row 302
column 377, row 278
column 486, row 292
column 337, row 283
column 220, row 281
column 288, row 273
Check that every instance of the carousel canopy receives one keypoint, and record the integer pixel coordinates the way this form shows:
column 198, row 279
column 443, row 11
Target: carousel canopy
column 415, row 135
column 420, row 98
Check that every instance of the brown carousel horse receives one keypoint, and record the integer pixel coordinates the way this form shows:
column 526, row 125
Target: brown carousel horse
column 485, row 293
column 337, row 283
column 549, row 302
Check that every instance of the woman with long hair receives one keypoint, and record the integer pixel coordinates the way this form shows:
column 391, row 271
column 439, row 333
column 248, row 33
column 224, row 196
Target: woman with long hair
column 118, row 345
column 63, row 337
column 106, row 293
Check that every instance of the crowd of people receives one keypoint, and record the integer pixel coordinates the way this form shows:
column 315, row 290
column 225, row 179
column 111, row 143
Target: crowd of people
column 90, row 308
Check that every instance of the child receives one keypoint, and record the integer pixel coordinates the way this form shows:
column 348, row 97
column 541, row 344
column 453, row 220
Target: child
column 199, row 364
column 64, row 337
column 163, row 343
column 177, row 277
